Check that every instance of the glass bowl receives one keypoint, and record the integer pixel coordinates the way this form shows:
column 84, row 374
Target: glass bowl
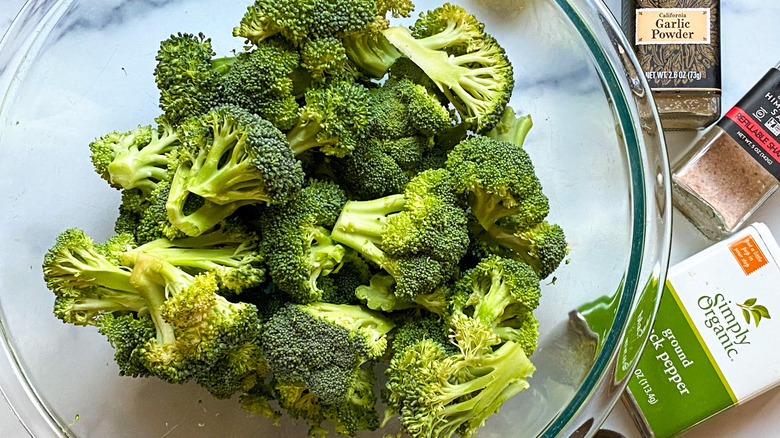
column 72, row 70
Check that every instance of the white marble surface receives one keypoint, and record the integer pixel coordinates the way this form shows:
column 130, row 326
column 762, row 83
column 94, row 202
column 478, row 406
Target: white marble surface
column 10, row 426
column 750, row 47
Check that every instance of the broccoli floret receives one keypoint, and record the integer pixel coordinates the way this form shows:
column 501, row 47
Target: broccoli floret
column 229, row 158
column 413, row 328
column 416, row 237
column 297, row 241
column 132, row 207
column 322, row 55
column 333, row 118
column 355, row 412
column 266, row 82
column 323, row 345
column 238, row 371
column 370, row 53
column 317, row 27
column 187, row 76
column 128, row 333
column 542, row 246
column 193, row 327
column 340, row 287
column 501, row 294
column 402, row 108
column 298, row 20
column 239, row 157
column 369, row 172
column 134, row 159
column 499, row 179
column 368, row 50
column 81, row 272
column 464, row 62
column 439, row 394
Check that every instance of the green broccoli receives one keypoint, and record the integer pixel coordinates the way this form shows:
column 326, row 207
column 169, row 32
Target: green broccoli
column 501, row 294
column 237, row 371
column 333, row 119
column 135, row 159
column 232, row 252
column 543, row 246
column 457, row 56
column 196, row 327
column 499, row 179
column 318, row 353
column 297, row 241
column 188, row 77
column 413, row 327
column 323, row 344
column 266, row 82
column 230, row 158
column 380, row 294
column 369, row 172
column 417, row 237
column 511, row 128
column 317, row 27
column 354, row 412
column 193, row 327
column 340, row 287
column 437, row 393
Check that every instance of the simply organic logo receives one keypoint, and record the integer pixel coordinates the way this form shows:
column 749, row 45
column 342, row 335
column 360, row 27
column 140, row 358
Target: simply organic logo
column 756, row 311
column 719, row 316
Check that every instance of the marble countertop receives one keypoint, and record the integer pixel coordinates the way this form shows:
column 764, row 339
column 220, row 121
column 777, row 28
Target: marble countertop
column 750, row 47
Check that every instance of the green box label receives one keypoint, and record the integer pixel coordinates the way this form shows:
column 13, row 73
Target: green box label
column 676, row 372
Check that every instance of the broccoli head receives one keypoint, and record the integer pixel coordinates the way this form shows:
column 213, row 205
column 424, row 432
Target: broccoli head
column 499, row 179
column 323, row 345
column 187, row 76
column 466, row 64
column 333, row 118
column 417, row 237
column 135, row 159
column 501, row 294
column 437, row 393
column 266, row 82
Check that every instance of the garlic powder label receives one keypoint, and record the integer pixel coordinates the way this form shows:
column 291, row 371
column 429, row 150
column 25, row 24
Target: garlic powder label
column 673, row 26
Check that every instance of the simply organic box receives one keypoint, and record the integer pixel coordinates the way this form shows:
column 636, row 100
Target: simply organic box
column 714, row 343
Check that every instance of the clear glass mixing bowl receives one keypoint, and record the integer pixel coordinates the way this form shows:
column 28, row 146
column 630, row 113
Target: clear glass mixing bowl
column 71, row 70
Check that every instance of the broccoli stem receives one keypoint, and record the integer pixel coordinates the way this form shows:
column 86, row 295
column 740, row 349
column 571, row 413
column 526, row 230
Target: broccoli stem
column 435, row 63
column 303, row 136
column 371, row 53
column 223, row 65
column 516, row 243
column 225, row 166
column 448, row 37
column 361, row 223
column 204, row 218
column 491, row 306
column 154, row 292
column 115, row 302
column 497, row 377
column 488, row 208
column 352, row 317
column 324, row 255
column 95, row 269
